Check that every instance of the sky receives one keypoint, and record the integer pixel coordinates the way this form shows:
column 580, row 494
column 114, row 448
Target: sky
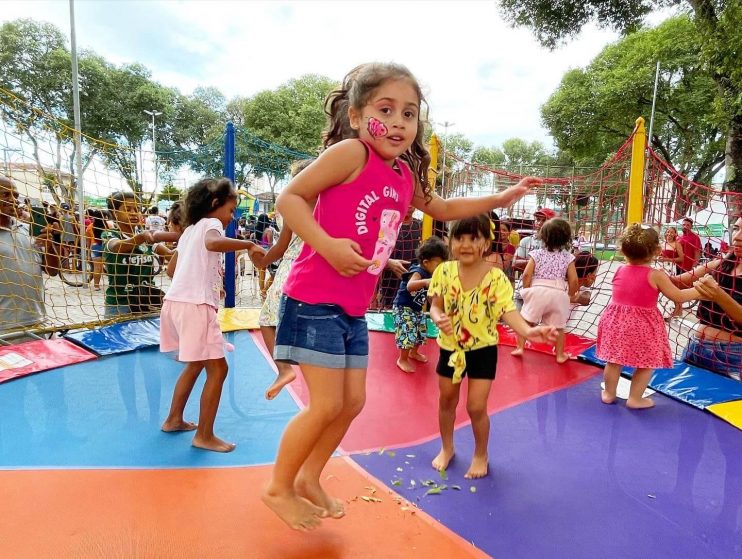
column 486, row 78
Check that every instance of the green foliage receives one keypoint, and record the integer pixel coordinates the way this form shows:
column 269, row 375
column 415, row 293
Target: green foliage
column 170, row 192
column 719, row 26
column 591, row 113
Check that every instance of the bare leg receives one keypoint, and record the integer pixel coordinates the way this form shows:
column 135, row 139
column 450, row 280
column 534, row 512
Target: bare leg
column 561, row 357
column 611, row 374
column 181, row 393
column 404, row 361
column 216, row 373
column 476, row 406
column 301, row 436
column 97, row 273
column 447, row 402
column 286, row 372
column 639, row 383
column 308, row 480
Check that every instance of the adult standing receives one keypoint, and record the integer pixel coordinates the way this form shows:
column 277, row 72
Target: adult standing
column 532, row 242
column 21, row 264
column 691, row 244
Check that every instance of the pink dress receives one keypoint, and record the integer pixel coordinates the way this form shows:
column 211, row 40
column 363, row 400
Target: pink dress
column 631, row 330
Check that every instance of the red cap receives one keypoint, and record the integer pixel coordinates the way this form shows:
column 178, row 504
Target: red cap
column 548, row 213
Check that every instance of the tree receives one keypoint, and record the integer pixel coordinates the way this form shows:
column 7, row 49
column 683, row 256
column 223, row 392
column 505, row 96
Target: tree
column 288, row 120
column 170, row 192
column 719, row 25
column 587, row 115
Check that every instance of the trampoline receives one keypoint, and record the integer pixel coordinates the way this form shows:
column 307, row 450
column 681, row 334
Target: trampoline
column 86, row 472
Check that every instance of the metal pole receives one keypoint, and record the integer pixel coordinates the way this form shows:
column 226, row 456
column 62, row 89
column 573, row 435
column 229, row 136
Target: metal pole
column 446, row 124
column 654, row 102
column 153, row 113
column 78, row 143
column 229, row 258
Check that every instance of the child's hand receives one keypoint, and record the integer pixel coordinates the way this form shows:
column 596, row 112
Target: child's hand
column 256, row 253
column 546, row 334
column 517, row 192
column 708, row 288
column 345, row 256
column 444, row 324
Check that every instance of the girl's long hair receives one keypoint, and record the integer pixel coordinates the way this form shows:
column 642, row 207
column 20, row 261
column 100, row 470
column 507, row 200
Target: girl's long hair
column 356, row 89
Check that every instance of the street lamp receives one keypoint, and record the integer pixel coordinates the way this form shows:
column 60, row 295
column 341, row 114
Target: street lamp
column 153, row 114
column 445, row 125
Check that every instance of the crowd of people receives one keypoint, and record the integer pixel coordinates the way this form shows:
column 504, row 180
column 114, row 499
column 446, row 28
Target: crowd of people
column 347, row 224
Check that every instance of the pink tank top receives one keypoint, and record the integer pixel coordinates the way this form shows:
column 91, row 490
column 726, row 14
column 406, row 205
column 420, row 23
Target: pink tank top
column 631, row 287
column 368, row 210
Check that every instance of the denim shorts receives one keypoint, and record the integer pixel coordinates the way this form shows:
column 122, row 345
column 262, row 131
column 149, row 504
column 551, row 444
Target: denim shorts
column 719, row 357
column 96, row 251
column 322, row 335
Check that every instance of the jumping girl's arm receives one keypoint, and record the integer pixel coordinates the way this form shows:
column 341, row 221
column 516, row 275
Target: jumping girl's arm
column 662, row 281
column 547, row 334
column 439, row 317
column 572, row 280
column 458, row 208
column 708, row 287
column 170, row 270
column 416, row 283
column 527, row 276
column 340, row 163
column 276, row 251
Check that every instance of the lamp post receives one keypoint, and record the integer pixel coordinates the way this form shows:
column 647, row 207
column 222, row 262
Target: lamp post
column 445, row 125
column 153, row 114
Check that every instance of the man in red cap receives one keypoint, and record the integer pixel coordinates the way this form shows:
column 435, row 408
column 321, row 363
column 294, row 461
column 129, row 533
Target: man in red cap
column 532, row 242
column 691, row 244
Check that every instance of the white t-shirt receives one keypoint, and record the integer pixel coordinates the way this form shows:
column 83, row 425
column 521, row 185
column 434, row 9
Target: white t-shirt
column 155, row 223
column 198, row 273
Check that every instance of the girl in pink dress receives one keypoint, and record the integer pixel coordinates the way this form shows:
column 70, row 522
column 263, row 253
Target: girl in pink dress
column 631, row 331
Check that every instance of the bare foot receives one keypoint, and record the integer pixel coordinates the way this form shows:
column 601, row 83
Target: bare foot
column 607, row 398
column 563, row 358
column 640, row 404
column 313, row 492
column 178, row 425
column 213, row 443
column 285, row 376
column 517, row 351
column 441, row 461
column 405, row 365
column 418, row 357
column 295, row 511
column 478, row 468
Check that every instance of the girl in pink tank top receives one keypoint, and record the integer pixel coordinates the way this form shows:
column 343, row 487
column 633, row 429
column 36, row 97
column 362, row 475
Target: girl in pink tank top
column 631, row 331
column 374, row 166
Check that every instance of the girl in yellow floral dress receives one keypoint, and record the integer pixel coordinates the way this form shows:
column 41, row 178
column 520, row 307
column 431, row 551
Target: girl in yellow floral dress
column 468, row 298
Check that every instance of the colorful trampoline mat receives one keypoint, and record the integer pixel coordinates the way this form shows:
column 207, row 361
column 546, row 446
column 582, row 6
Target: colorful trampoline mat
column 570, row 477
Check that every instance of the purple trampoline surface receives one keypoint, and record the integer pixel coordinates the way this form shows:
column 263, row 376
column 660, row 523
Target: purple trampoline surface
column 573, row 478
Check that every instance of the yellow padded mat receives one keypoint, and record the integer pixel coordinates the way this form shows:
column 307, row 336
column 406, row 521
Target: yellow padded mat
column 728, row 411
column 238, row 319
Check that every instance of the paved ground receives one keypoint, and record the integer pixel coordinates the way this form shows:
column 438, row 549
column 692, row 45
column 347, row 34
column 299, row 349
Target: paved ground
column 74, row 306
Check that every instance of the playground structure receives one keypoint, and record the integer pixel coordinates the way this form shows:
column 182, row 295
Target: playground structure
column 83, row 436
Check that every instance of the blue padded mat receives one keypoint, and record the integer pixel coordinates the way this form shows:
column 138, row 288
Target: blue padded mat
column 107, row 414
column 695, row 386
column 120, row 337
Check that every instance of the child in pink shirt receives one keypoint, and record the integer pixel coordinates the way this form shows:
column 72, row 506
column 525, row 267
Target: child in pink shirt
column 188, row 320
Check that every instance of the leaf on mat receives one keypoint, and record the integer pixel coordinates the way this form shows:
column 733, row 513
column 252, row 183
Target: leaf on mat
column 397, row 482
column 433, row 491
column 473, row 489
column 391, row 453
column 443, row 474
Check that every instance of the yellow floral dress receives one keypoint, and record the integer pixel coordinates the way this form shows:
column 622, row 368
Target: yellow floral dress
column 474, row 313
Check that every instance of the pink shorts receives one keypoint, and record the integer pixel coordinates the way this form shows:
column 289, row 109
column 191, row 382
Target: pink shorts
column 191, row 330
column 546, row 302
